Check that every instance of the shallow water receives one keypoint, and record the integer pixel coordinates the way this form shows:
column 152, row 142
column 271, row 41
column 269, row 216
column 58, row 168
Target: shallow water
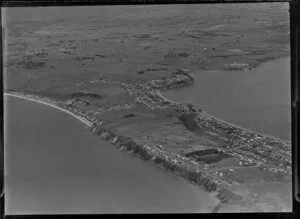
column 54, row 165
column 258, row 100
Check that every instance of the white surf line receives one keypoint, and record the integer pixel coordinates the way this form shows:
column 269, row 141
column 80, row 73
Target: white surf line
column 84, row 120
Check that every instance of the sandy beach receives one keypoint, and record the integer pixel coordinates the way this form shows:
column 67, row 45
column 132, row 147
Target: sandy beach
column 105, row 67
column 83, row 120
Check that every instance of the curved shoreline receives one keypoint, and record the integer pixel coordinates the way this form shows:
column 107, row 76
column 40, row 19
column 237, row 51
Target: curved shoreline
column 163, row 163
column 48, row 103
column 226, row 122
column 191, row 185
column 245, row 129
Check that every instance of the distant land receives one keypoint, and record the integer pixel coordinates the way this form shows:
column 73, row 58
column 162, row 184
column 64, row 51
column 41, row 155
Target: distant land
column 108, row 65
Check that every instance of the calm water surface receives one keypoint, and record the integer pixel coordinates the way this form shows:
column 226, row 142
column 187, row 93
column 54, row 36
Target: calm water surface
column 53, row 164
column 258, row 100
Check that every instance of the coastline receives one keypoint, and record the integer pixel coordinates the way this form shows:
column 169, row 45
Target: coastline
column 223, row 121
column 242, row 128
column 198, row 190
column 228, row 122
column 114, row 83
column 196, row 177
column 48, row 103
column 271, row 60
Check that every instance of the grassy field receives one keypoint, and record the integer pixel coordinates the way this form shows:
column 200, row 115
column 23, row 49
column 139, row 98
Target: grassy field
column 62, row 53
column 47, row 48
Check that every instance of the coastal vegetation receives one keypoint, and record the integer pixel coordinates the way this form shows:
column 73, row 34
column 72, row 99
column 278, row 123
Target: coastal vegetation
column 119, row 92
column 85, row 94
column 208, row 156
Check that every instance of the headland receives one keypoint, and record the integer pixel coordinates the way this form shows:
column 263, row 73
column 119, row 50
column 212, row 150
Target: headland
column 111, row 73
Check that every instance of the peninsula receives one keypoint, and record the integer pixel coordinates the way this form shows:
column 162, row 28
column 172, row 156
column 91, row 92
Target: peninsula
column 111, row 73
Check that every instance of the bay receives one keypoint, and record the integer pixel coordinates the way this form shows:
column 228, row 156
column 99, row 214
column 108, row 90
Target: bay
column 54, row 165
column 258, row 100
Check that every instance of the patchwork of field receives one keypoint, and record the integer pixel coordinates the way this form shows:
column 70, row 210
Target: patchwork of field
column 92, row 57
column 53, row 47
